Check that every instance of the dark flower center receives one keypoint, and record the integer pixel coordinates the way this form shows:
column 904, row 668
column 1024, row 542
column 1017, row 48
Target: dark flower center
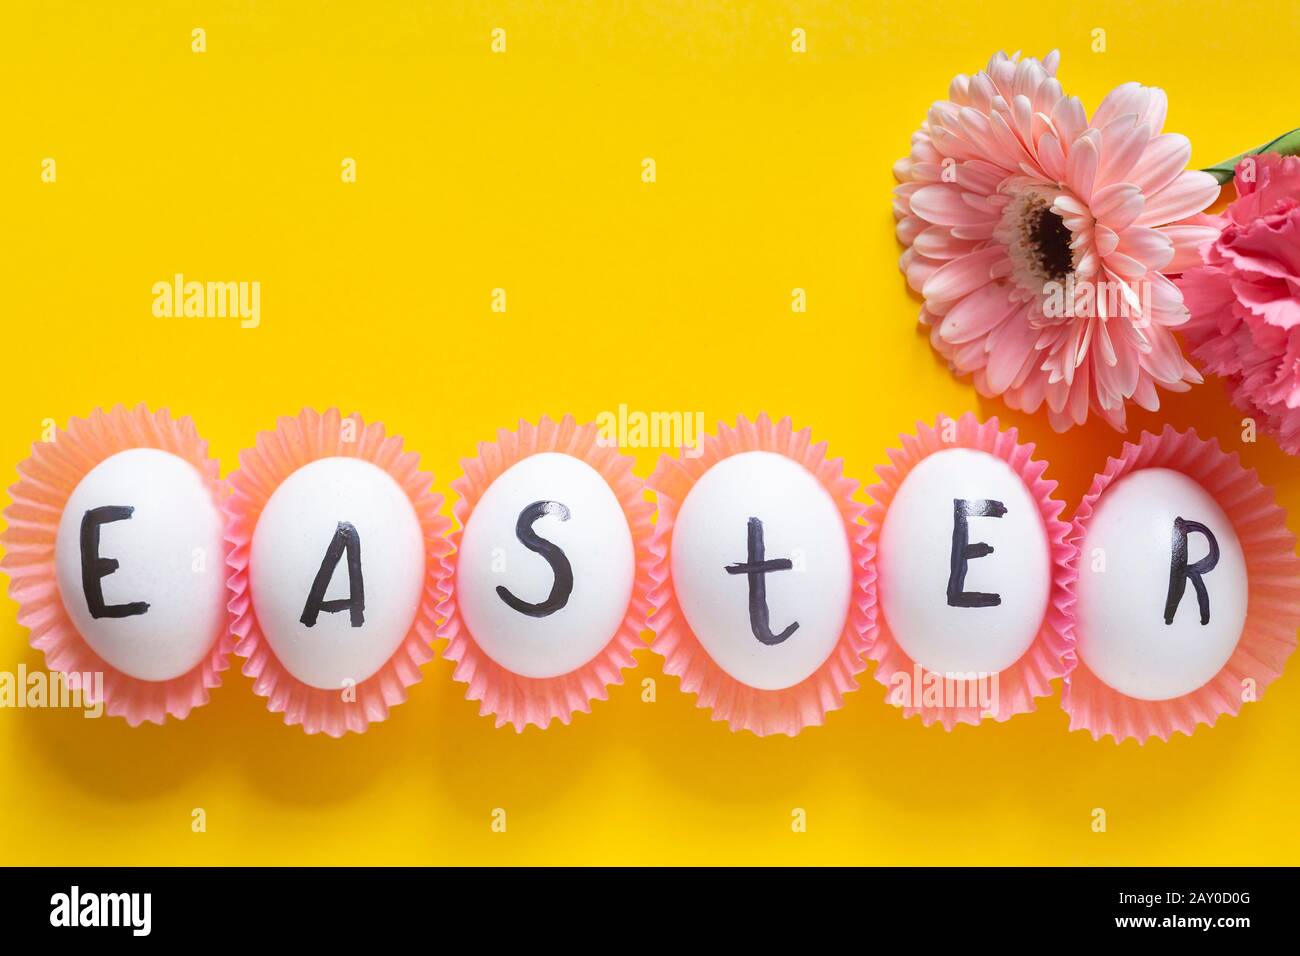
column 1048, row 239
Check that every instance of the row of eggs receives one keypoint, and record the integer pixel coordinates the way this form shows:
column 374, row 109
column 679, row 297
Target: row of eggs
column 324, row 562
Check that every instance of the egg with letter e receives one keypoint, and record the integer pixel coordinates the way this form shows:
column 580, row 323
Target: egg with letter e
column 972, row 565
column 119, row 517
column 140, row 563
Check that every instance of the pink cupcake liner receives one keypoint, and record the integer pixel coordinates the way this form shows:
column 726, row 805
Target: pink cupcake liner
column 276, row 455
column 1273, row 611
column 761, row 712
column 513, row 698
column 46, row 481
column 1051, row 654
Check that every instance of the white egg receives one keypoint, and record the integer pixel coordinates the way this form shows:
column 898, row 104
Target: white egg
column 141, row 564
column 1143, row 627
column 762, row 568
column 964, row 567
column 546, row 566
column 336, row 571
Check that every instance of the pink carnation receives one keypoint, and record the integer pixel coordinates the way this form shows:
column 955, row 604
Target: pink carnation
column 1042, row 241
column 1245, row 300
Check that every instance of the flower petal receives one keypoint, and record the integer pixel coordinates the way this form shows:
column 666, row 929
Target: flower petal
column 1187, row 242
column 1151, row 247
column 1009, row 350
column 942, row 205
column 1189, row 193
column 1163, row 158
column 1122, row 145
column 963, row 276
column 1081, row 171
column 1117, row 205
column 977, row 314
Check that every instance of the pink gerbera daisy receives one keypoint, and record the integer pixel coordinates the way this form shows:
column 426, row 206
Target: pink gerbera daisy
column 1042, row 242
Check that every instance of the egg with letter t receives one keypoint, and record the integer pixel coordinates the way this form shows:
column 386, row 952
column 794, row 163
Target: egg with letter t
column 764, row 597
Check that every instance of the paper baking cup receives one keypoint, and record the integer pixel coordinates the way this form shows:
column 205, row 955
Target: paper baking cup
column 276, row 455
column 762, row 712
column 1051, row 654
column 46, row 481
column 1273, row 609
column 513, row 698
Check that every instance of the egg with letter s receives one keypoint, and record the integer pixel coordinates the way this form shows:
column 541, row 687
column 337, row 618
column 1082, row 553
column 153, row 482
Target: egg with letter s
column 550, row 577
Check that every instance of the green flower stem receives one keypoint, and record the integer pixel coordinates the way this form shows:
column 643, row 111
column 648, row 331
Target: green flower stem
column 1288, row 144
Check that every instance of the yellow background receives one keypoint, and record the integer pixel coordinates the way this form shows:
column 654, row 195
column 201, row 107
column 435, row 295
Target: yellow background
column 522, row 171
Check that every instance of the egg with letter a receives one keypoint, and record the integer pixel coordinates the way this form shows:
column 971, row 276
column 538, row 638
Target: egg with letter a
column 336, row 570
